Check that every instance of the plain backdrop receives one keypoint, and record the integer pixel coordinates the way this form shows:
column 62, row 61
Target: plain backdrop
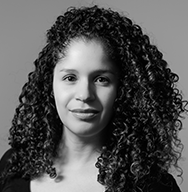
column 23, row 25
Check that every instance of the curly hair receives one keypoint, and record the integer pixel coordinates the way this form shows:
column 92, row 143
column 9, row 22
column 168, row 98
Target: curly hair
column 142, row 139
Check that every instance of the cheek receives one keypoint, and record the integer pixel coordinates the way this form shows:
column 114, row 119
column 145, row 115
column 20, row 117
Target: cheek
column 61, row 106
column 61, row 98
column 107, row 99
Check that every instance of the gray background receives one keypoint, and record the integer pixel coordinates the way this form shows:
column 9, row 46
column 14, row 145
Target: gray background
column 23, row 24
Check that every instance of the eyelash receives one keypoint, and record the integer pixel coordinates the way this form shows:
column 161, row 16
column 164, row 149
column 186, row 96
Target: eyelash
column 67, row 78
column 105, row 80
column 72, row 78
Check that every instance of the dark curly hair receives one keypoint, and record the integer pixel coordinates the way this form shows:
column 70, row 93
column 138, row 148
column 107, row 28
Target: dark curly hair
column 142, row 140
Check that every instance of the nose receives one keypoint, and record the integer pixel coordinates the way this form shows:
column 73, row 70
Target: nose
column 85, row 91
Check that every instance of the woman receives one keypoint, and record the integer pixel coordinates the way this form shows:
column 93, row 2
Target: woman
column 100, row 112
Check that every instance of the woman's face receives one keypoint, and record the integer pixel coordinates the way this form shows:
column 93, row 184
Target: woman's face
column 85, row 86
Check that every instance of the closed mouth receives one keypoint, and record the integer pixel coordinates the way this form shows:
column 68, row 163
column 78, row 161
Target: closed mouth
column 84, row 111
column 84, row 114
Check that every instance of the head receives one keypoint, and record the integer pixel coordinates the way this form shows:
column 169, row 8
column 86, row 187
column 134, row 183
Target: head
column 145, row 105
column 89, row 26
column 122, row 43
column 85, row 86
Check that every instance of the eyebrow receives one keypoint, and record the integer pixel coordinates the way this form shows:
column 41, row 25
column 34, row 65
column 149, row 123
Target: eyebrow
column 101, row 71
column 68, row 70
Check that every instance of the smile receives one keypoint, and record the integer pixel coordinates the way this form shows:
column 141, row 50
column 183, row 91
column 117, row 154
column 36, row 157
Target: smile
column 84, row 114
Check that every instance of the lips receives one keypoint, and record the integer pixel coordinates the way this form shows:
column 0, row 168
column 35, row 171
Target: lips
column 84, row 111
column 84, row 114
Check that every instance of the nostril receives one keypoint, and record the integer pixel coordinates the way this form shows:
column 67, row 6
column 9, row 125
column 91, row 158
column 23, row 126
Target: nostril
column 85, row 95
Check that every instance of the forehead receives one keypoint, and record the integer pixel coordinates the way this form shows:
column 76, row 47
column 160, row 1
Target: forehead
column 85, row 53
column 79, row 48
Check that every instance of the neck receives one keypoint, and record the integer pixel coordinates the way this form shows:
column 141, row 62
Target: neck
column 76, row 151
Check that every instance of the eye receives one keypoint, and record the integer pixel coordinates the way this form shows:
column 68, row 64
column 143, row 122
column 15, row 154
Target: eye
column 102, row 80
column 69, row 78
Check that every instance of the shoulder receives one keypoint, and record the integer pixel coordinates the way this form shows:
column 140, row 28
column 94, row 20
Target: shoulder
column 14, row 184
column 166, row 183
